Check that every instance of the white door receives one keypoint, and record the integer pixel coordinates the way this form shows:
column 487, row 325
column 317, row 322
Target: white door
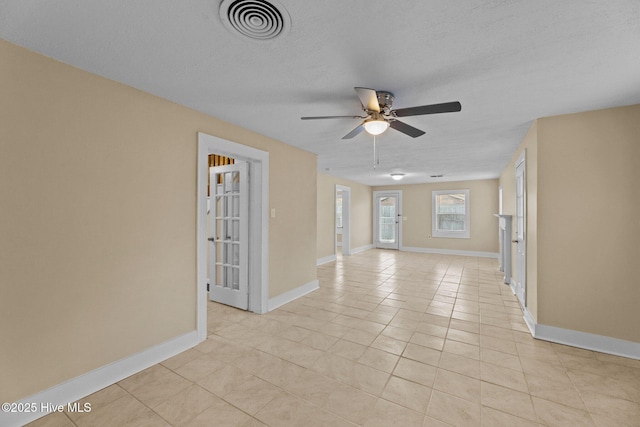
column 228, row 228
column 387, row 220
column 520, row 285
column 345, row 218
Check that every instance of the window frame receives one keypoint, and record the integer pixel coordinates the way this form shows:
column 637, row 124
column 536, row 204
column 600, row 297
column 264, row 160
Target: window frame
column 461, row 234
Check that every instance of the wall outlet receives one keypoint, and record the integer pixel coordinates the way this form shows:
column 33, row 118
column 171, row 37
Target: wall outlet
column 428, row 236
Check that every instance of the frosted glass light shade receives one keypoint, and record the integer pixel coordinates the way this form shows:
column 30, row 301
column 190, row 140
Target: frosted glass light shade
column 376, row 127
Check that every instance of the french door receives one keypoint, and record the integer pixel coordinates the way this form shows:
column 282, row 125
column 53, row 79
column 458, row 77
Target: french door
column 228, row 235
column 387, row 219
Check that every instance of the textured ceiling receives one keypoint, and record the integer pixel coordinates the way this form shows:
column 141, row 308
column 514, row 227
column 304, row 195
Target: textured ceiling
column 508, row 62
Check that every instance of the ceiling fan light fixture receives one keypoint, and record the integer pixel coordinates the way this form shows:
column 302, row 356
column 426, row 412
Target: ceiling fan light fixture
column 397, row 176
column 376, row 126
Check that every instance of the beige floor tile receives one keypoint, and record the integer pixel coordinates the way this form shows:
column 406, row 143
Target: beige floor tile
column 379, row 359
column 560, row 391
column 160, row 388
column 422, row 354
column 500, row 359
column 503, row 376
column 56, row 419
column 347, row 349
column 220, row 414
column 389, row 344
column 253, row 395
column 185, row 406
column 623, row 412
column 125, row 411
column 557, row 415
column 429, row 341
column 351, row 404
column 224, row 380
column 507, row 400
column 453, row 410
column 367, row 379
column 411, row 370
column 464, row 336
column 408, row 394
column 314, row 387
column 199, row 367
column 461, row 349
column 287, row 411
column 494, row 418
column 460, row 364
column 280, row 372
column 98, row 400
column 385, row 414
column 458, row 385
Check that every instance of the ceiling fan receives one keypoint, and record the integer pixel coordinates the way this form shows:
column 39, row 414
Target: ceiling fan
column 380, row 115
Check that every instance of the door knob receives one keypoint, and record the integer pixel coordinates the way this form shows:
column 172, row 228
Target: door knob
column 211, row 239
column 514, row 241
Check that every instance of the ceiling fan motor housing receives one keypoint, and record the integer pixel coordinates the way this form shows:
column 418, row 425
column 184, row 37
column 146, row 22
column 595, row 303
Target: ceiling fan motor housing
column 385, row 100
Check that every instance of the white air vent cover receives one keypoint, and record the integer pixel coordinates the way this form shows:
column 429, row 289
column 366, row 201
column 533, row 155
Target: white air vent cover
column 256, row 19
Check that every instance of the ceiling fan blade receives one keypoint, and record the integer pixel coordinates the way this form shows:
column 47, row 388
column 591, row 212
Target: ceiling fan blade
column 447, row 107
column 406, row 129
column 368, row 99
column 354, row 132
column 332, row 117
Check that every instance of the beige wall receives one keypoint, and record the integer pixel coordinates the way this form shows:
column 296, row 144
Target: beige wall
column 98, row 220
column 508, row 183
column 361, row 214
column 589, row 227
column 583, row 229
column 416, row 201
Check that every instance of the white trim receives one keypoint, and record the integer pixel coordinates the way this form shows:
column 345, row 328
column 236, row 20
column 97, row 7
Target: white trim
column 362, row 249
column 104, row 376
column 584, row 340
column 293, row 294
column 326, row 259
column 451, row 252
column 464, row 234
column 259, row 196
column 346, row 219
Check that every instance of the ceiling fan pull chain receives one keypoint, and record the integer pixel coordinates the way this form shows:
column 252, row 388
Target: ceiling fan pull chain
column 374, row 151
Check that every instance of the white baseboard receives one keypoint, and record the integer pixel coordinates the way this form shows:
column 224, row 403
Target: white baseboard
column 584, row 340
column 361, row 249
column 326, row 259
column 293, row 294
column 86, row 384
column 450, row 252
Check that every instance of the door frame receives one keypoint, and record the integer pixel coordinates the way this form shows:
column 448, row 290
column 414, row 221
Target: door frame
column 258, row 167
column 346, row 219
column 520, row 287
column 376, row 225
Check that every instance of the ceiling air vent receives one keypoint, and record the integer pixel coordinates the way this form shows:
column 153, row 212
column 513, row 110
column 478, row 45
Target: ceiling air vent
column 256, row 19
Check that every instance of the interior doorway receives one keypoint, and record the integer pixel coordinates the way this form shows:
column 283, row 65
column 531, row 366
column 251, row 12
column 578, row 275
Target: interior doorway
column 343, row 220
column 520, row 282
column 257, row 168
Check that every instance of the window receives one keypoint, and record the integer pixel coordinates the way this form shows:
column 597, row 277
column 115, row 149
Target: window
column 450, row 214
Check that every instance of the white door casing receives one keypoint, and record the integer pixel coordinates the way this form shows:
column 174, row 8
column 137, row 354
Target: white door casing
column 387, row 224
column 520, row 282
column 258, row 166
column 346, row 218
column 228, row 235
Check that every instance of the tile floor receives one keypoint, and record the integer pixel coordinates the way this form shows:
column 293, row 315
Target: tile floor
column 390, row 339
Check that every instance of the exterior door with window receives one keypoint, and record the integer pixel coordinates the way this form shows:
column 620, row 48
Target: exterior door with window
column 520, row 280
column 387, row 219
column 228, row 228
